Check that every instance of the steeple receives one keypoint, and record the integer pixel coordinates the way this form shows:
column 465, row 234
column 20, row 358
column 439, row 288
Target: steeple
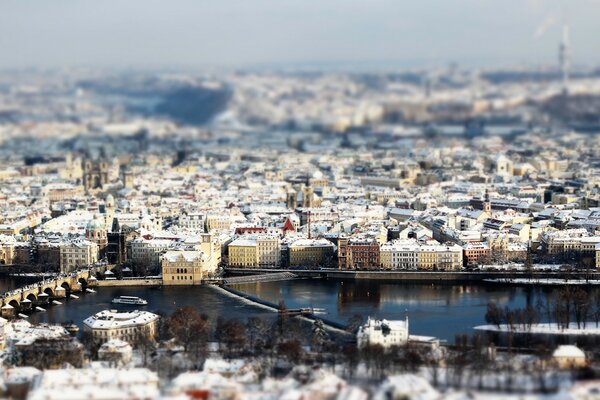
column 487, row 205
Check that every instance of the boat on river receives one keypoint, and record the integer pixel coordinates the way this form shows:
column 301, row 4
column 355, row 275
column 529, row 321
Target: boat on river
column 129, row 300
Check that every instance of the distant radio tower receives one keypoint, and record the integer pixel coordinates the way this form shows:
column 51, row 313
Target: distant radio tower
column 563, row 59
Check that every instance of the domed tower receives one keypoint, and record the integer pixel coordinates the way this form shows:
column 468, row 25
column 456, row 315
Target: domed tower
column 95, row 231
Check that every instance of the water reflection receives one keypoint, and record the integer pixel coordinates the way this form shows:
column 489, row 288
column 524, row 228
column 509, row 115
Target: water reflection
column 442, row 310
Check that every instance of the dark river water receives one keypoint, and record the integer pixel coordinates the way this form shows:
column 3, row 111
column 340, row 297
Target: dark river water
column 440, row 310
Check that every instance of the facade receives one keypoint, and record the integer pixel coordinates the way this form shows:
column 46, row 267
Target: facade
column 476, row 253
column 147, row 251
column 243, row 253
column 183, row 267
column 412, row 255
column 342, row 252
column 555, row 241
column 193, row 221
column 268, row 251
column 95, row 174
column 383, row 333
column 127, row 326
column 445, row 257
column 363, row 253
column 77, row 253
column 218, row 222
column 400, row 254
column 310, row 253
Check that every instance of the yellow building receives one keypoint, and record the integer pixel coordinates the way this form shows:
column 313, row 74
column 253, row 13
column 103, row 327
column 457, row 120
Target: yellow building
column 310, row 252
column 218, row 222
column 440, row 257
column 243, row 252
column 183, row 267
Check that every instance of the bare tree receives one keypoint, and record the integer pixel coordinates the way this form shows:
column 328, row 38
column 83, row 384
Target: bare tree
column 494, row 314
column 191, row 330
column 354, row 323
column 291, row 350
column 581, row 306
column 458, row 359
column 146, row 344
column 259, row 333
column 231, row 334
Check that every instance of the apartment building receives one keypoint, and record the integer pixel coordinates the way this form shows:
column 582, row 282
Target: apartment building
column 193, row 221
column 310, row 253
column 77, row 253
column 412, row 255
column 147, row 251
column 255, row 251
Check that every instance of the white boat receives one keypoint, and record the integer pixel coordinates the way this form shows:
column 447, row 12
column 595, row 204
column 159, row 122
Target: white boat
column 74, row 297
column 129, row 300
column 56, row 302
column 90, row 290
column 40, row 309
column 23, row 316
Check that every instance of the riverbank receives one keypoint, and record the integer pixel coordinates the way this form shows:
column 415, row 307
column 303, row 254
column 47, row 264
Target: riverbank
column 488, row 277
column 130, row 282
column 590, row 329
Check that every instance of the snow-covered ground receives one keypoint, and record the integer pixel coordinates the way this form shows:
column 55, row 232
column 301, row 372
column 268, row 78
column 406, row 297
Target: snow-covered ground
column 521, row 267
column 548, row 281
column 545, row 328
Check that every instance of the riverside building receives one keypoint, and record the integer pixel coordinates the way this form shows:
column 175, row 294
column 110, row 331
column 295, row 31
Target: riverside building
column 382, row 332
column 128, row 326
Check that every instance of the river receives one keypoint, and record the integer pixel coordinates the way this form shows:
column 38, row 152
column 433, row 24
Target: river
column 442, row 310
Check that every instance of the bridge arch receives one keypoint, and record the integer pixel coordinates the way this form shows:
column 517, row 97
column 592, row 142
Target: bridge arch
column 49, row 291
column 14, row 303
column 31, row 297
column 82, row 281
column 65, row 285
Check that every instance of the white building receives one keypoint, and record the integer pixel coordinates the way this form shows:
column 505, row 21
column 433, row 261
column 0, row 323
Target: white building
column 410, row 254
column 116, row 352
column 382, row 332
column 147, row 251
column 90, row 383
column 399, row 254
column 193, row 221
column 128, row 326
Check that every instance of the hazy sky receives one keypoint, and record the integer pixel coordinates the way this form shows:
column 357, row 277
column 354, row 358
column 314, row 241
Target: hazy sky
column 196, row 33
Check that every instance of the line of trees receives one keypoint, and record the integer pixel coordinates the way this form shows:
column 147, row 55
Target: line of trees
column 570, row 304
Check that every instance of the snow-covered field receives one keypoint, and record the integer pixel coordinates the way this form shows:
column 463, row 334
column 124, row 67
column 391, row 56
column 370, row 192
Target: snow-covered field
column 545, row 328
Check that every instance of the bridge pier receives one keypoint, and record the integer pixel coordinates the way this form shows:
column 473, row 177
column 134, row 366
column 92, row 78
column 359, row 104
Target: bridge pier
column 26, row 304
column 8, row 311
column 43, row 298
column 60, row 292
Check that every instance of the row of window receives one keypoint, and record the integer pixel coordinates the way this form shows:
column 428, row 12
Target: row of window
column 182, row 278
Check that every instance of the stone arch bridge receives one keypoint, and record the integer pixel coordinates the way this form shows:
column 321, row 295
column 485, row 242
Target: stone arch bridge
column 44, row 292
